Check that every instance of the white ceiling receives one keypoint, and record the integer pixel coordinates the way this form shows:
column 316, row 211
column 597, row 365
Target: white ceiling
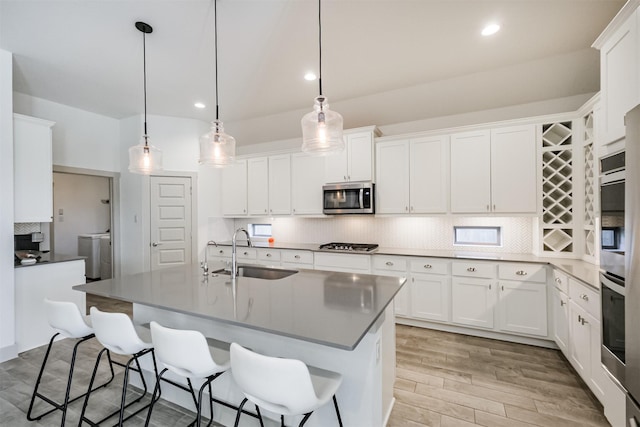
column 384, row 61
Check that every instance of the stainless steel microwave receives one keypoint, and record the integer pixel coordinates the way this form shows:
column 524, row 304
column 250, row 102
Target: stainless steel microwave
column 348, row 198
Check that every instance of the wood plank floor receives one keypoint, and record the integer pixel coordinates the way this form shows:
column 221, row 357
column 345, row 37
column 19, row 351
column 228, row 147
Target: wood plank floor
column 443, row 380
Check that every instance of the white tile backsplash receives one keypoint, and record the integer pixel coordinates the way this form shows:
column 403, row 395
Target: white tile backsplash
column 399, row 232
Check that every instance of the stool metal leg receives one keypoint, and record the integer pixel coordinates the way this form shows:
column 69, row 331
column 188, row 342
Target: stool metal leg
column 240, row 412
column 304, row 420
column 335, row 404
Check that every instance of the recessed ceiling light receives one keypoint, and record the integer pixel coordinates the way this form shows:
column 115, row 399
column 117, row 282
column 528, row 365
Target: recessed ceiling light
column 490, row 29
column 310, row 76
column 199, row 105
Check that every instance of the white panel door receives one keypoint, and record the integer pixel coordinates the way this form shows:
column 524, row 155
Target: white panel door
column 307, row 179
column 428, row 175
column 360, row 148
column 473, row 302
column 258, row 186
column 280, row 185
column 471, row 172
column 430, row 297
column 513, row 170
column 522, row 307
column 170, row 202
column 392, row 172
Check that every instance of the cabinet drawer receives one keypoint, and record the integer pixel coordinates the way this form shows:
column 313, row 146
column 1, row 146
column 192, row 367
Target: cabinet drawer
column 561, row 281
column 220, row 251
column 389, row 263
column 585, row 297
column 342, row 262
column 246, row 253
column 474, row 269
column 523, row 272
column 429, row 266
column 297, row 257
column 269, row 255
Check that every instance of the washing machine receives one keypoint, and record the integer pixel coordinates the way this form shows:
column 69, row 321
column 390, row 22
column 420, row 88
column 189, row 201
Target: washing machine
column 89, row 247
column 105, row 257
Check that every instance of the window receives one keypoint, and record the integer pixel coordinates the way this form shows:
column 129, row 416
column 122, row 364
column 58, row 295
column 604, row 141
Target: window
column 260, row 230
column 477, row 236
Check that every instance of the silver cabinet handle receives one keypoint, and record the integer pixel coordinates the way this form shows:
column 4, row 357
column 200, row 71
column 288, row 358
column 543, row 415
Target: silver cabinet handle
column 265, row 211
column 389, row 263
column 488, row 208
column 494, row 207
column 411, row 208
column 562, row 303
column 579, row 318
column 427, row 266
column 221, row 251
column 154, row 244
column 502, row 287
column 297, row 257
column 583, row 321
column 406, row 208
column 521, row 273
column 471, row 269
column 268, row 255
column 344, row 177
column 245, row 253
column 584, row 297
column 489, row 286
column 558, row 281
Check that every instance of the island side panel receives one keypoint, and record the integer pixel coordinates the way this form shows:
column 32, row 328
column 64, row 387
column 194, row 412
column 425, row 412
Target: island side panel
column 365, row 396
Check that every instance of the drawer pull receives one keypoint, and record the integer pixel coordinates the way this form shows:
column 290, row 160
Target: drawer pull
column 585, row 297
column 489, row 286
column 389, row 263
column 558, row 281
column 297, row 257
column 245, row 253
column 562, row 303
column 471, row 269
column 221, row 251
column 268, row 255
column 427, row 266
column 521, row 273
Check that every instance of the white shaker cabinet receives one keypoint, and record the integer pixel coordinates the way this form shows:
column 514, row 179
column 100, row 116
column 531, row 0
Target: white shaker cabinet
column 397, row 267
column 412, row 176
column 258, row 186
column 33, row 169
column 269, row 185
column 494, row 171
column 355, row 162
column 307, row 179
column 234, row 189
column 560, row 307
column 473, row 302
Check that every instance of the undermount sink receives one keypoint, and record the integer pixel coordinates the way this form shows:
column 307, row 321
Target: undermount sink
column 257, row 272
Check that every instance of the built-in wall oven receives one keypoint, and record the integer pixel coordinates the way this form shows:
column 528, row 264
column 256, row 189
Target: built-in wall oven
column 612, row 264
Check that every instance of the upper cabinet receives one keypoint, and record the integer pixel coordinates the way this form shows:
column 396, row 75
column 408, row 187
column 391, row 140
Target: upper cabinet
column 412, row 175
column 355, row 162
column 269, row 185
column 234, row 189
column 494, row 171
column 307, row 179
column 619, row 47
column 32, row 169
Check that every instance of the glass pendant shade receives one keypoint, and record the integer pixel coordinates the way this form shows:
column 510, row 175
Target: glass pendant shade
column 145, row 158
column 322, row 129
column 217, row 148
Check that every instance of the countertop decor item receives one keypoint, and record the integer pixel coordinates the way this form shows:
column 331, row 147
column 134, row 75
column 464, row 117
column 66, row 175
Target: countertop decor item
column 217, row 148
column 144, row 158
column 321, row 128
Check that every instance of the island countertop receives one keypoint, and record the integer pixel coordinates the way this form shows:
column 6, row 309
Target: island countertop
column 328, row 308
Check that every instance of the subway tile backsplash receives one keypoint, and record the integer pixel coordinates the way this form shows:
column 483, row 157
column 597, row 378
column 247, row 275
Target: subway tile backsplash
column 393, row 232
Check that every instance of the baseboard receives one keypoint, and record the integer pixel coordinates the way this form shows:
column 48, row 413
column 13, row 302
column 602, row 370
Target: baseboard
column 388, row 414
column 9, row 352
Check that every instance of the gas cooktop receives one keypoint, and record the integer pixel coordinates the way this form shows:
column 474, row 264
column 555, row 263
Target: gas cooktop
column 349, row 247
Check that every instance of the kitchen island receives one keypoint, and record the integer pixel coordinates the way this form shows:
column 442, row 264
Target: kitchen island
column 337, row 321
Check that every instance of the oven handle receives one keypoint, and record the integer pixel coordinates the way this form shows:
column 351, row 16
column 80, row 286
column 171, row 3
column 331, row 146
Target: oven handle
column 615, row 284
column 613, row 178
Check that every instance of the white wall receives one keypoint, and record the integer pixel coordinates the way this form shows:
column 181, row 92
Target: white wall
column 80, row 139
column 7, row 309
column 80, row 198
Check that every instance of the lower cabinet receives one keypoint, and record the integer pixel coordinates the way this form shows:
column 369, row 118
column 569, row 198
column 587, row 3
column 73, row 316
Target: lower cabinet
column 348, row 263
column 396, row 267
column 522, row 307
column 560, row 329
column 473, row 301
column 431, row 296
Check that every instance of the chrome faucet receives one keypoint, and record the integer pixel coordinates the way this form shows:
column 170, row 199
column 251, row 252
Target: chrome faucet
column 205, row 264
column 234, row 261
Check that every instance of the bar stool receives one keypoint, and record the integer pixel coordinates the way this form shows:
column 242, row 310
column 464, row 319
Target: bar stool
column 65, row 318
column 189, row 355
column 117, row 334
column 283, row 386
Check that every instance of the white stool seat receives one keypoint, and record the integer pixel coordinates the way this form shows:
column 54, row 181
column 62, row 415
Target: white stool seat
column 65, row 318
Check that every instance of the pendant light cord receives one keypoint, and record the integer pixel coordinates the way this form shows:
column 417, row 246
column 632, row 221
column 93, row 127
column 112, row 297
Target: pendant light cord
column 215, row 28
column 144, row 73
column 320, row 46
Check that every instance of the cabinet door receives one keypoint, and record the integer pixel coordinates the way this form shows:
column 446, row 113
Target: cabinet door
column 522, row 307
column 514, row 169
column 258, row 186
column 427, row 175
column 396, row 267
column 560, row 307
column 336, row 165
column 401, row 302
column 234, row 189
column 280, row 185
column 579, row 341
column 470, row 172
column 307, row 179
column 430, row 297
column 618, row 80
column 360, row 148
column 33, row 170
column 473, row 302
column 392, row 171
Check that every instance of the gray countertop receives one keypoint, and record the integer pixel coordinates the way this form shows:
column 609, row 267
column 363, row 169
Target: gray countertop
column 328, row 308
column 50, row 258
column 581, row 270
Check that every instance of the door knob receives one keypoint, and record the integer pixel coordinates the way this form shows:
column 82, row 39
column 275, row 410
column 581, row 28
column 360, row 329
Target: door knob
column 154, row 244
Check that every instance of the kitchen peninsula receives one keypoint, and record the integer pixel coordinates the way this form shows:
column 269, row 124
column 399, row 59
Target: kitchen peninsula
column 338, row 321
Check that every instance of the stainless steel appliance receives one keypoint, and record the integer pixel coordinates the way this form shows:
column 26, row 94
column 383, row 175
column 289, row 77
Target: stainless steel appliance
column 632, row 267
column 349, row 247
column 348, row 198
column 612, row 296
column 612, row 207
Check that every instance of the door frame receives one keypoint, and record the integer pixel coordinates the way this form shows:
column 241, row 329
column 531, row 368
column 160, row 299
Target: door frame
column 114, row 205
column 146, row 214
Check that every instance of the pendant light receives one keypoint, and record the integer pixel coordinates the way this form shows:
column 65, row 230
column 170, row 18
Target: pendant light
column 144, row 158
column 217, row 148
column 321, row 128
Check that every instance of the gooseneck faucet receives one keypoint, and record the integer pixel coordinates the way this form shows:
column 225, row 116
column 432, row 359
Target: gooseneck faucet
column 234, row 261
